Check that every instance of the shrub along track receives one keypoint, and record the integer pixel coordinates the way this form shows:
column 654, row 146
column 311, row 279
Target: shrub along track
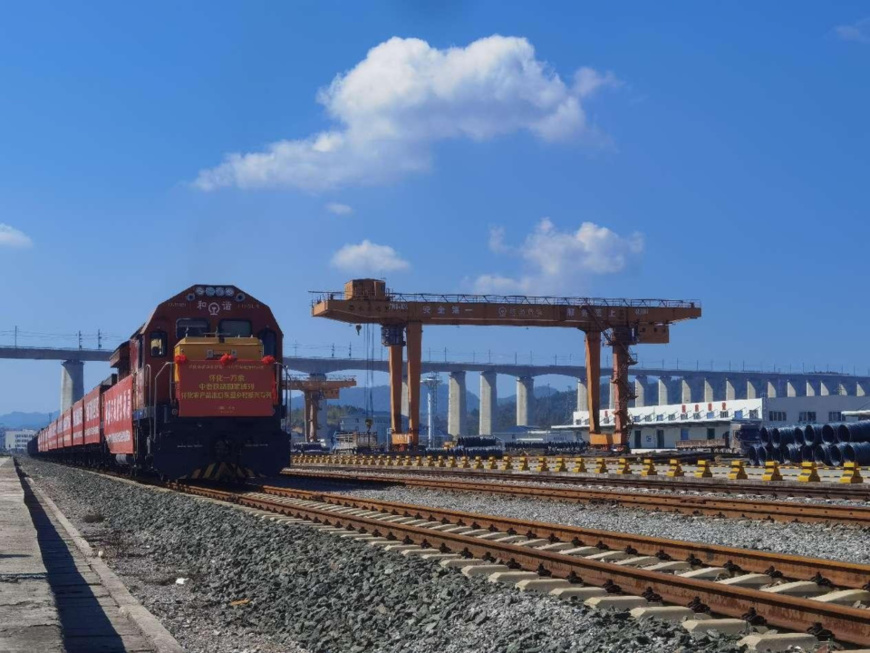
column 683, row 503
column 412, row 524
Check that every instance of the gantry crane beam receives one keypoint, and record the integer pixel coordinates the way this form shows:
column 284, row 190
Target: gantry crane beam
column 623, row 322
column 314, row 390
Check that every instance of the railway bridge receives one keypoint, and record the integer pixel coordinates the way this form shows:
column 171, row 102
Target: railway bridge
column 652, row 386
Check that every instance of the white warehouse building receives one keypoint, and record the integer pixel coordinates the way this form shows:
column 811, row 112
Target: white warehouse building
column 17, row 440
column 662, row 427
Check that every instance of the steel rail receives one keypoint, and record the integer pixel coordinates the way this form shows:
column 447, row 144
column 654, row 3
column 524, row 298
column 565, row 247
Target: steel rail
column 846, row 624
column 686, row 504
column 824, row 490
column 839, row 573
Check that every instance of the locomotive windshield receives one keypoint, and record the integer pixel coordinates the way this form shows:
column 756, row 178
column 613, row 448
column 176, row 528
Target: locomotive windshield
column 235, row 328
column 190, row 327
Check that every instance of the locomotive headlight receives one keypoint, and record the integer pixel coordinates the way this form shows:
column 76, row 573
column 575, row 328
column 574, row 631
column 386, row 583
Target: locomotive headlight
column 200, row 291
column 240, row 297
column 209, row 291
column 229, row 291
column 219, row 291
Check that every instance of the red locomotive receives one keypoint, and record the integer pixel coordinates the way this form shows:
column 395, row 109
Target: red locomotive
column 196, row 395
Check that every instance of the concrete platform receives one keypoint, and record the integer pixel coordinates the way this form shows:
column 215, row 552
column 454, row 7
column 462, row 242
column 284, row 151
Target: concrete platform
column 29, row 620
column 75, row 603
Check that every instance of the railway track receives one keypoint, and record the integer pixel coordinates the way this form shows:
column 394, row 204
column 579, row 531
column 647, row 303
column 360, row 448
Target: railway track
column 789, row 592
column 672, row 502
column 826, row 490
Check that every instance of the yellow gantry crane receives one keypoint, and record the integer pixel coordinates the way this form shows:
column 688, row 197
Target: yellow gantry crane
column 314, row 390
column 621, row 322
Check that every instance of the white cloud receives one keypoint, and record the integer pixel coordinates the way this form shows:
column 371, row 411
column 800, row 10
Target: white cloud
column 339, row 209
column 12, row 237
column 859, row 31
column 557, row 261
column 368, row 258
column 405, row 95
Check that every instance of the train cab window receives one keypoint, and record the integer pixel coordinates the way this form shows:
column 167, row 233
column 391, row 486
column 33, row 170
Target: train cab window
column 270, row 342
column 235, row 328
column 190, row 326
column 157, row 344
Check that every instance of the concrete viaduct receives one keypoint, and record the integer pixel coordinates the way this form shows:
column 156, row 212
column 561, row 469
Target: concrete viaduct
column 651, row 386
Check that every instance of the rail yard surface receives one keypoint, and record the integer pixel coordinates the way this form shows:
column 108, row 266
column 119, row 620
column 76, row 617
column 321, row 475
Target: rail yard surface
column 55, row 595
column 278, row 568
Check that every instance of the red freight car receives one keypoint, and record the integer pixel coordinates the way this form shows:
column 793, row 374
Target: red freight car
column 93, row 415
column 78, row 423
column 196, row 394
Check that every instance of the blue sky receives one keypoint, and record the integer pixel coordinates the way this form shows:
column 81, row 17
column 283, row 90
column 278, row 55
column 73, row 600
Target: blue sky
column 717, row 152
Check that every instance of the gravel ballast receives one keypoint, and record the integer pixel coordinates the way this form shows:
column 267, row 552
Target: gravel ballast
column 257, row 586
column 818, row 540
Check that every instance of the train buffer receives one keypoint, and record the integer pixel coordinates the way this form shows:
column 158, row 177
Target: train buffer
column 771, row 471
column 851, row 473
column 649, row 468
column 738, row 471
column 809, row 473
column 676, row 469
column 703, row 469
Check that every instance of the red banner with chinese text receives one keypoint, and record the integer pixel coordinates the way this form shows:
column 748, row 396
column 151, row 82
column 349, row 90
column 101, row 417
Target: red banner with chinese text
column 118, row 416
column 237, row 389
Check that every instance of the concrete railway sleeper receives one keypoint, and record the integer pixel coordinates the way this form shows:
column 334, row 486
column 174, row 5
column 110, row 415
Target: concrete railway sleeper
column 569, row 566
column 687, row 504
column 718, row 485
column 731, row 559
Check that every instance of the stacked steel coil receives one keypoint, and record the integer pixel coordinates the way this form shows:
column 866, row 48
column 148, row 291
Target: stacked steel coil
column 827, row 444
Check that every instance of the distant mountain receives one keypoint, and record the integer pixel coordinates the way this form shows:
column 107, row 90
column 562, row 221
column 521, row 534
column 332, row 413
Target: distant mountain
column 19, row 420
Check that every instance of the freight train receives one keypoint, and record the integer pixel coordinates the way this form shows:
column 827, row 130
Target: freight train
column 196, row 394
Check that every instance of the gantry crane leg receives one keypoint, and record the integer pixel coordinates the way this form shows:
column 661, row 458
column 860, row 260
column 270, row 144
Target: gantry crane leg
column 593, row 388
column 313, row 402
column 306, row 417
column 415, row 362
column 395, row 363
column 621, row 340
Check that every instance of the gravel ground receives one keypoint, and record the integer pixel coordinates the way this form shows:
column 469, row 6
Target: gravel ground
column 816, row 540
column 299, row 590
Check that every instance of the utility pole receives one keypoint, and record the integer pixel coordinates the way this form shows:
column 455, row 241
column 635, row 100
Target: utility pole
column 16, row 337
column 99, row 339
column 80, row 339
